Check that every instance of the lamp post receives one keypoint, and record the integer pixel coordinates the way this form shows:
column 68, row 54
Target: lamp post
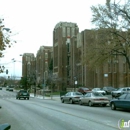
column 14, row 68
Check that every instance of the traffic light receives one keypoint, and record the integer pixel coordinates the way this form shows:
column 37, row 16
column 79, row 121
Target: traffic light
column 6, row 71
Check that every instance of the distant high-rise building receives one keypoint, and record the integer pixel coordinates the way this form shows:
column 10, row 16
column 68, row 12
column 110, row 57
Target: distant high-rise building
column 43, row 59
column 28, row 64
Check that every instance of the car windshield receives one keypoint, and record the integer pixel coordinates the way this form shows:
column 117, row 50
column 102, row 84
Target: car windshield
column 23, row 91
column 97, row 94
column 119, row 89
column 98, row 89
column 110, row 88
column 77, row 93
column 85, row 88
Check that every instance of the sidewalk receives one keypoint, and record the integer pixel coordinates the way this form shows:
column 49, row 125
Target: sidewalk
column 54, row 97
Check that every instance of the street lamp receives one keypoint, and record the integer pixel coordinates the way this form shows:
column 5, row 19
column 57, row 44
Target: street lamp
column 14, row 67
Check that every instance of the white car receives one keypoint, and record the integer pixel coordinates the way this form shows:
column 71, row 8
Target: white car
column 98, row 90
column 10, row 88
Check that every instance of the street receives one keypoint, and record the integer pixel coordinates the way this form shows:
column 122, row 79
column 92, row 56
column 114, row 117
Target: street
column 46, row 114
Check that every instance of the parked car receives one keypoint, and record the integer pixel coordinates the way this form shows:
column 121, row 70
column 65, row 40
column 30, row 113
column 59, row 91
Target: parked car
column 98, row 90
column 0, row 88
column 121, row 102
column 22, row 94
column 71, row 97
column 83, row 90
column 11, row 88
column 93, row 98
column 108, row 89
column 120, row 91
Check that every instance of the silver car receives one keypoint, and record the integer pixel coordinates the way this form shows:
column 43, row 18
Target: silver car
column 120, row 91
column 71, row 97
column 92, row 98
column 99, row 90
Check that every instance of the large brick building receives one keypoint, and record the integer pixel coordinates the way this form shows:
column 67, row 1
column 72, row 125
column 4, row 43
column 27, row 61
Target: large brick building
column 112, row 73
column 67, row 54
column 28, row 67
column 62, row 54
column 43, row 59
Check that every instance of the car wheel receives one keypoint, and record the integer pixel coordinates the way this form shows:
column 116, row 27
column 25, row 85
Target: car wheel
column 62, row 100
column 71, row 101
column 90, row 103
column 28, row 98
column 19, row 98
column 80, row 102
column 113, row 107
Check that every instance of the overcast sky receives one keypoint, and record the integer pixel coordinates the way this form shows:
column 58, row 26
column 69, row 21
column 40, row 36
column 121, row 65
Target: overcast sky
column 32, row 23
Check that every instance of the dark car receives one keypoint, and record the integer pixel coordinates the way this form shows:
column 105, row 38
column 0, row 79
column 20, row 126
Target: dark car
column 83, row 90
column 121, row 102
column 108, row 89
column 22, row 94
column 71, row 97
column 0, row 88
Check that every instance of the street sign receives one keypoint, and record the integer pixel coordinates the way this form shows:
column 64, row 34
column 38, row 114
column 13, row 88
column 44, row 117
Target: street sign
column 76, row 82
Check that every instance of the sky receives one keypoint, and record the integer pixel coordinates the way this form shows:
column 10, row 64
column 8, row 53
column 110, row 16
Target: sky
column 32, row 23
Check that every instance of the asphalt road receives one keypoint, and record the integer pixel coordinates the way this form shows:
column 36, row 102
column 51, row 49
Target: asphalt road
column 45, row 114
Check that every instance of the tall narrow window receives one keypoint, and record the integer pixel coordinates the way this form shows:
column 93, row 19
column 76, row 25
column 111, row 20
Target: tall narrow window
column 46, row 56
column 68, row 31
column 64, row 31
column 73, row 31
column 109, row 67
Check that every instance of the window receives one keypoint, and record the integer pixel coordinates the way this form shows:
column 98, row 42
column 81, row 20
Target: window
column 68, row 94
column 46, row 55
column 68, row 31
column 64, row 31
column 73, row 31
column 128, row 96
column 88, row 95
column 124, row 89
column 123, row 96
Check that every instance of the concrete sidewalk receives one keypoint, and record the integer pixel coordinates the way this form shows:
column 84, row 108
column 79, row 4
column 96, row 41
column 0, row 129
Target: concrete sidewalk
column 54, row 97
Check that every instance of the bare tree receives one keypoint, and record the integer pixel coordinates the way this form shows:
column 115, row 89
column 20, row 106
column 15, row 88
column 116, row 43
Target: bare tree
column 111, row 38
column 5, row 40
